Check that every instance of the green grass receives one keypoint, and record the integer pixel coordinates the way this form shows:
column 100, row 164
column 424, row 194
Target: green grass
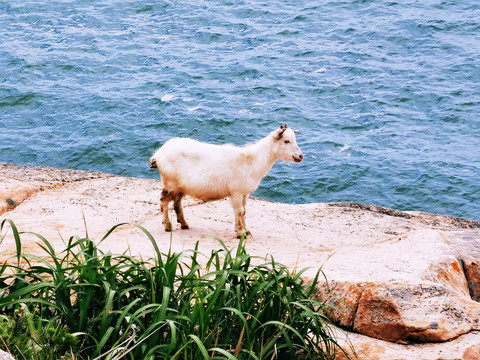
column 84, row 304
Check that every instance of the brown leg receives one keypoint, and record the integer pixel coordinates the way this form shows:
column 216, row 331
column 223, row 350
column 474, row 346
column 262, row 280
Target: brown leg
column 165, row 199
column 179, row 210
column 244, row 211
column 238, row 202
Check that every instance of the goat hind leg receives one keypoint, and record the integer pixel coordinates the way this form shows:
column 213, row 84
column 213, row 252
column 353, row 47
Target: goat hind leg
column 177, row 205
column 165, row 199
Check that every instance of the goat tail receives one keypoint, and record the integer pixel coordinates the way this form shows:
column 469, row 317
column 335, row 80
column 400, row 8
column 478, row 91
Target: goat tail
column 153, row 163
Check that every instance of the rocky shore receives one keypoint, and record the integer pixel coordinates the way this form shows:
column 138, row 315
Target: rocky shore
column 406, row 284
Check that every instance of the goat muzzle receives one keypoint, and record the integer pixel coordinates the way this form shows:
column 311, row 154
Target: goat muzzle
column 298, row 158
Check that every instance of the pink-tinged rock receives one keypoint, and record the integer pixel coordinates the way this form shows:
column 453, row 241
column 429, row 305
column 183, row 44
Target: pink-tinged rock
column 434, row 313
column 342, row 299
column 5, row 356
column 400, row 276
column 367, row 348
column 426, row 293
column 13, row 192
column 378, row 315
column 472, row 353
column 472, row 272
column 18, row 183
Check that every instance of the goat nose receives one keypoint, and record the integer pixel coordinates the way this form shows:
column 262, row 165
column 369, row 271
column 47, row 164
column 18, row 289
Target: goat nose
column 298, row 158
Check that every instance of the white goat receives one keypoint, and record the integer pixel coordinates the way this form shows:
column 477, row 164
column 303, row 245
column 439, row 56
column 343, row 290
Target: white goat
column 213, row 172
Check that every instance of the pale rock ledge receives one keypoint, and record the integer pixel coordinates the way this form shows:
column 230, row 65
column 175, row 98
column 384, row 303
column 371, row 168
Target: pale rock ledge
column 406, row 284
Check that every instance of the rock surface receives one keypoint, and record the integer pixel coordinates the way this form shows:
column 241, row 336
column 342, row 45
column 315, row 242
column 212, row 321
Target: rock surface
column 5, row 356
column 408, row 280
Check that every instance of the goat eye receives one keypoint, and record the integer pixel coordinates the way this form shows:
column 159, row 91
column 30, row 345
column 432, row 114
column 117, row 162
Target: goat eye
column 287, row 141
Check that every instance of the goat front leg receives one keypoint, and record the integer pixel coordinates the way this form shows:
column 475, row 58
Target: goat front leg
column 177, row 205
column 244, row 223
column 237, row 202
column 165, row 199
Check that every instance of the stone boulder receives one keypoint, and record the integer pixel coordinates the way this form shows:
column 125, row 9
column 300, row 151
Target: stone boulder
column 415, row 286
column 5, row 356
column 405, row 285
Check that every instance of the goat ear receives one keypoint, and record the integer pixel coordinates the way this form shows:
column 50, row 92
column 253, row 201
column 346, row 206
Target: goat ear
column 279, row 133
column 296, row 131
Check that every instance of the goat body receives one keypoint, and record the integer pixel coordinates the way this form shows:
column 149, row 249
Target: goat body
column 212, row 172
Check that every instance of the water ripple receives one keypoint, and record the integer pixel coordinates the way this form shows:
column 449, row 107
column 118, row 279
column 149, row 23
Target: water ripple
column 386, row 93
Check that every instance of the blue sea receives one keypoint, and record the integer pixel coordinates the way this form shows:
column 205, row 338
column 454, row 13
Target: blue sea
column 386, row 93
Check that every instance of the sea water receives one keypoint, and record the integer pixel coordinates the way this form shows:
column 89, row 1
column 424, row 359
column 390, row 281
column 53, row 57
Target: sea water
column 386, row 93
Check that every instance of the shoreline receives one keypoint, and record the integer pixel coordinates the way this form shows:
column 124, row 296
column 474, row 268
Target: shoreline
column 61, row 176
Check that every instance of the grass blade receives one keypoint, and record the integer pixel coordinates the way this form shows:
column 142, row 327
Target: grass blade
column 200, row 346
column 16, row 236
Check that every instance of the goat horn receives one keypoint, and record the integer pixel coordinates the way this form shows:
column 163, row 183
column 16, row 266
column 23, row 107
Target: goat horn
column 279, row 133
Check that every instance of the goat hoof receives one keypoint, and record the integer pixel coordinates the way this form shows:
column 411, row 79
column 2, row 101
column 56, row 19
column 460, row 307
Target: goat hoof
column 185, row 226
column 243, row 234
